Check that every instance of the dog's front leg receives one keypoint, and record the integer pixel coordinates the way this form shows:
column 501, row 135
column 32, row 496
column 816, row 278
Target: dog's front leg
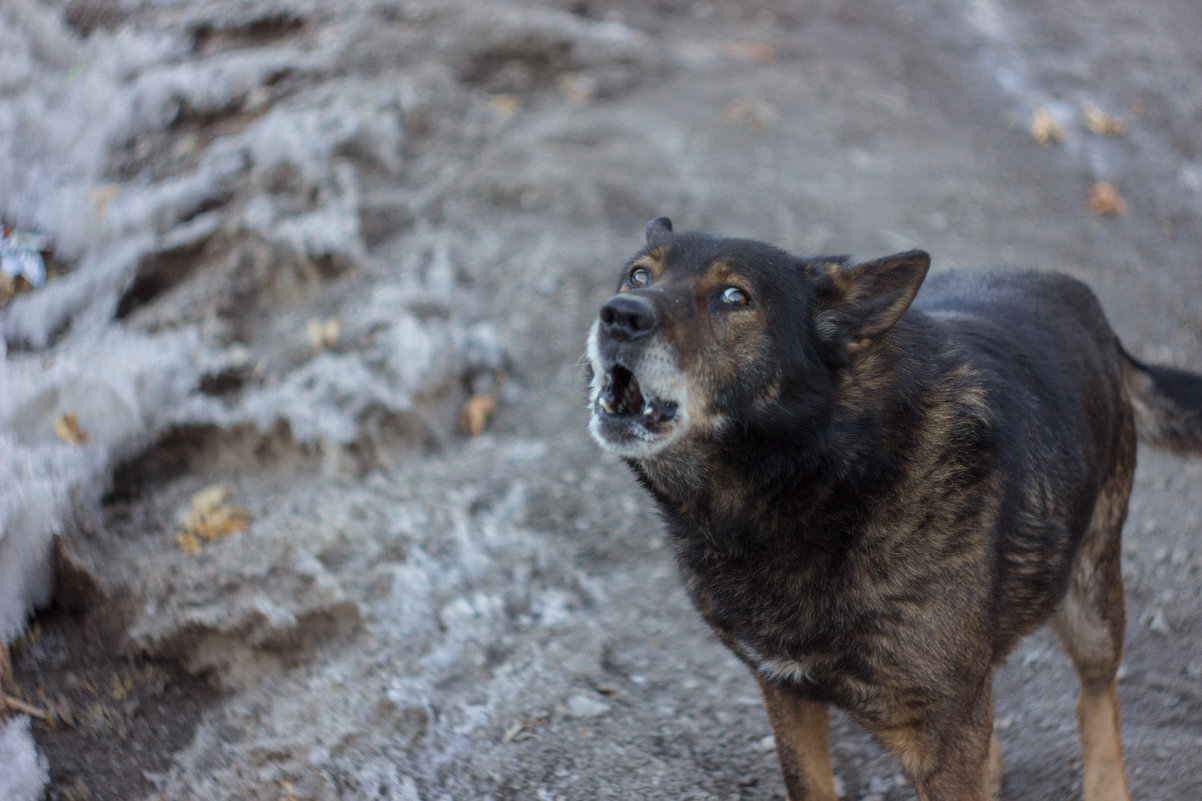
column 803, row 743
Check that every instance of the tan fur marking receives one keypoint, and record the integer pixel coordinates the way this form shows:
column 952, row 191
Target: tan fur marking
column 840, row 276
column 1101, row 749
column 802, row 731
column 997, row 769
column 719, row 273
column 656, row 261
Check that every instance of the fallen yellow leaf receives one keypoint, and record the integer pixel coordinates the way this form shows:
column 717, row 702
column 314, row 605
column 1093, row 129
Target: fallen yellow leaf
column 323, row 333
column 1105, row 200
column 576, row 87
column 476, row 412
column 505, row 105
column 188, row 542
column 210, row 517
column 751, row 112
column 8, row 288
column 1101, row 123
column 1044, row 128
column 748, row 50
column 68, row 430
column 102, row 196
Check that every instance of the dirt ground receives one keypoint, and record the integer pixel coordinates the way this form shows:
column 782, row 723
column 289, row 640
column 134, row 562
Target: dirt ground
column 411, row 612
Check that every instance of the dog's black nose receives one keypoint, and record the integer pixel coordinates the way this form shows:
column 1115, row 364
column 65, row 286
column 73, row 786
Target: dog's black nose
column 625, row 317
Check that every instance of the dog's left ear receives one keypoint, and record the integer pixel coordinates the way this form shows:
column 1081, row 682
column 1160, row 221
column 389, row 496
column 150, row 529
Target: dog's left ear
column 659, row 232
column 857, row 302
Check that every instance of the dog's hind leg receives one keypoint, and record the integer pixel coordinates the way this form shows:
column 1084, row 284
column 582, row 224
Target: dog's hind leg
column 1090, row 623
column 802, row 731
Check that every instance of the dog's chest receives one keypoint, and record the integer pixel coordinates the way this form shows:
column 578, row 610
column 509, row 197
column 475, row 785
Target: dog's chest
column 777, row 622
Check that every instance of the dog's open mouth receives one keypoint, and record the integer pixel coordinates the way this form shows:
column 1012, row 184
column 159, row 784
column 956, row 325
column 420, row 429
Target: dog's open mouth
column 621, row 398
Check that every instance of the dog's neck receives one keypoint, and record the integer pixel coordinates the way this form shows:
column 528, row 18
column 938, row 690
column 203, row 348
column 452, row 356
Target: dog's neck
column 734, row 489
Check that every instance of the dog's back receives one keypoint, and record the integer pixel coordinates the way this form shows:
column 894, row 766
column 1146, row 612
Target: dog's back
column 1056, row 381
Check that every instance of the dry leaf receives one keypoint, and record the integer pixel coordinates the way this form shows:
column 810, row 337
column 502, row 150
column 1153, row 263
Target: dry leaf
column 576, row 87
column 522, row 729
column 187, row 145
column 68, row 430
column 6, row 666
column 323, row 333
column 505, row 105
column 1101, row 123
column 120, row 688
column 209, row 518
column 750, row 112
column 755, row 52
column 102, row 196
column 1105, row 200
column 188, row 542
column 8, row 288
column 9, row 702
column 476, row 412
column 62, row 710
column 1044, row 128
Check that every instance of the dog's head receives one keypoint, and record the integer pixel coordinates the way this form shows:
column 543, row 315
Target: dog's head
column 704, row 334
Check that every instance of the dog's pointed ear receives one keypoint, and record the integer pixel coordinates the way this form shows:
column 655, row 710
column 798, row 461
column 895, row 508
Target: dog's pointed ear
column 659, row 231
column 857, row 302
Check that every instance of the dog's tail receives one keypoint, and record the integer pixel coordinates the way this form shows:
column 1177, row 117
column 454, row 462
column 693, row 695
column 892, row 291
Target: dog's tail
column 1168, row 406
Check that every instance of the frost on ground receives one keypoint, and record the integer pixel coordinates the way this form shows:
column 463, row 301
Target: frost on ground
column 198, row 206
column 291, row 239
column 207, row 200
column 24, row 775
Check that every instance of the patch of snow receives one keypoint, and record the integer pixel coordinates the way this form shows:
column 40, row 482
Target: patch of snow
column 25, row 773
column 120, row 387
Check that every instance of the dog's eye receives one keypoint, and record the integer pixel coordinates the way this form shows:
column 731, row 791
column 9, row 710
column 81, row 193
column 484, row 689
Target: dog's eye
column 733, row 296
column 638, row 277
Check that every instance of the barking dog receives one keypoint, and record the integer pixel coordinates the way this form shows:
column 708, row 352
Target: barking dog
column 873, row 496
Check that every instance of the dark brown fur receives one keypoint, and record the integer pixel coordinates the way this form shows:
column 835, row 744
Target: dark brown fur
column 873, row 501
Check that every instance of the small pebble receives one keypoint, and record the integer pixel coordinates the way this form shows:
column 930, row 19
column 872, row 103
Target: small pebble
column 582, row 706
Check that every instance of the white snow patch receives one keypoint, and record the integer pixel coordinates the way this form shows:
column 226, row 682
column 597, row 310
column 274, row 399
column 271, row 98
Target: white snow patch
column 122, row 387
column 24, row 775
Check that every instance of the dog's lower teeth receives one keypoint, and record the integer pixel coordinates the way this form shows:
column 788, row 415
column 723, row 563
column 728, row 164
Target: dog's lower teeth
column 607, row 405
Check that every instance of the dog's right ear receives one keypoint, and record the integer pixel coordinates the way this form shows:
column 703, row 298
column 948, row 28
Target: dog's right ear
column 858, row 302
column 659, row 232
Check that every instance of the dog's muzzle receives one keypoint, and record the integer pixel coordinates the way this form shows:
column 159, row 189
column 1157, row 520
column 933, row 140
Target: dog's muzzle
column 636, row 394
